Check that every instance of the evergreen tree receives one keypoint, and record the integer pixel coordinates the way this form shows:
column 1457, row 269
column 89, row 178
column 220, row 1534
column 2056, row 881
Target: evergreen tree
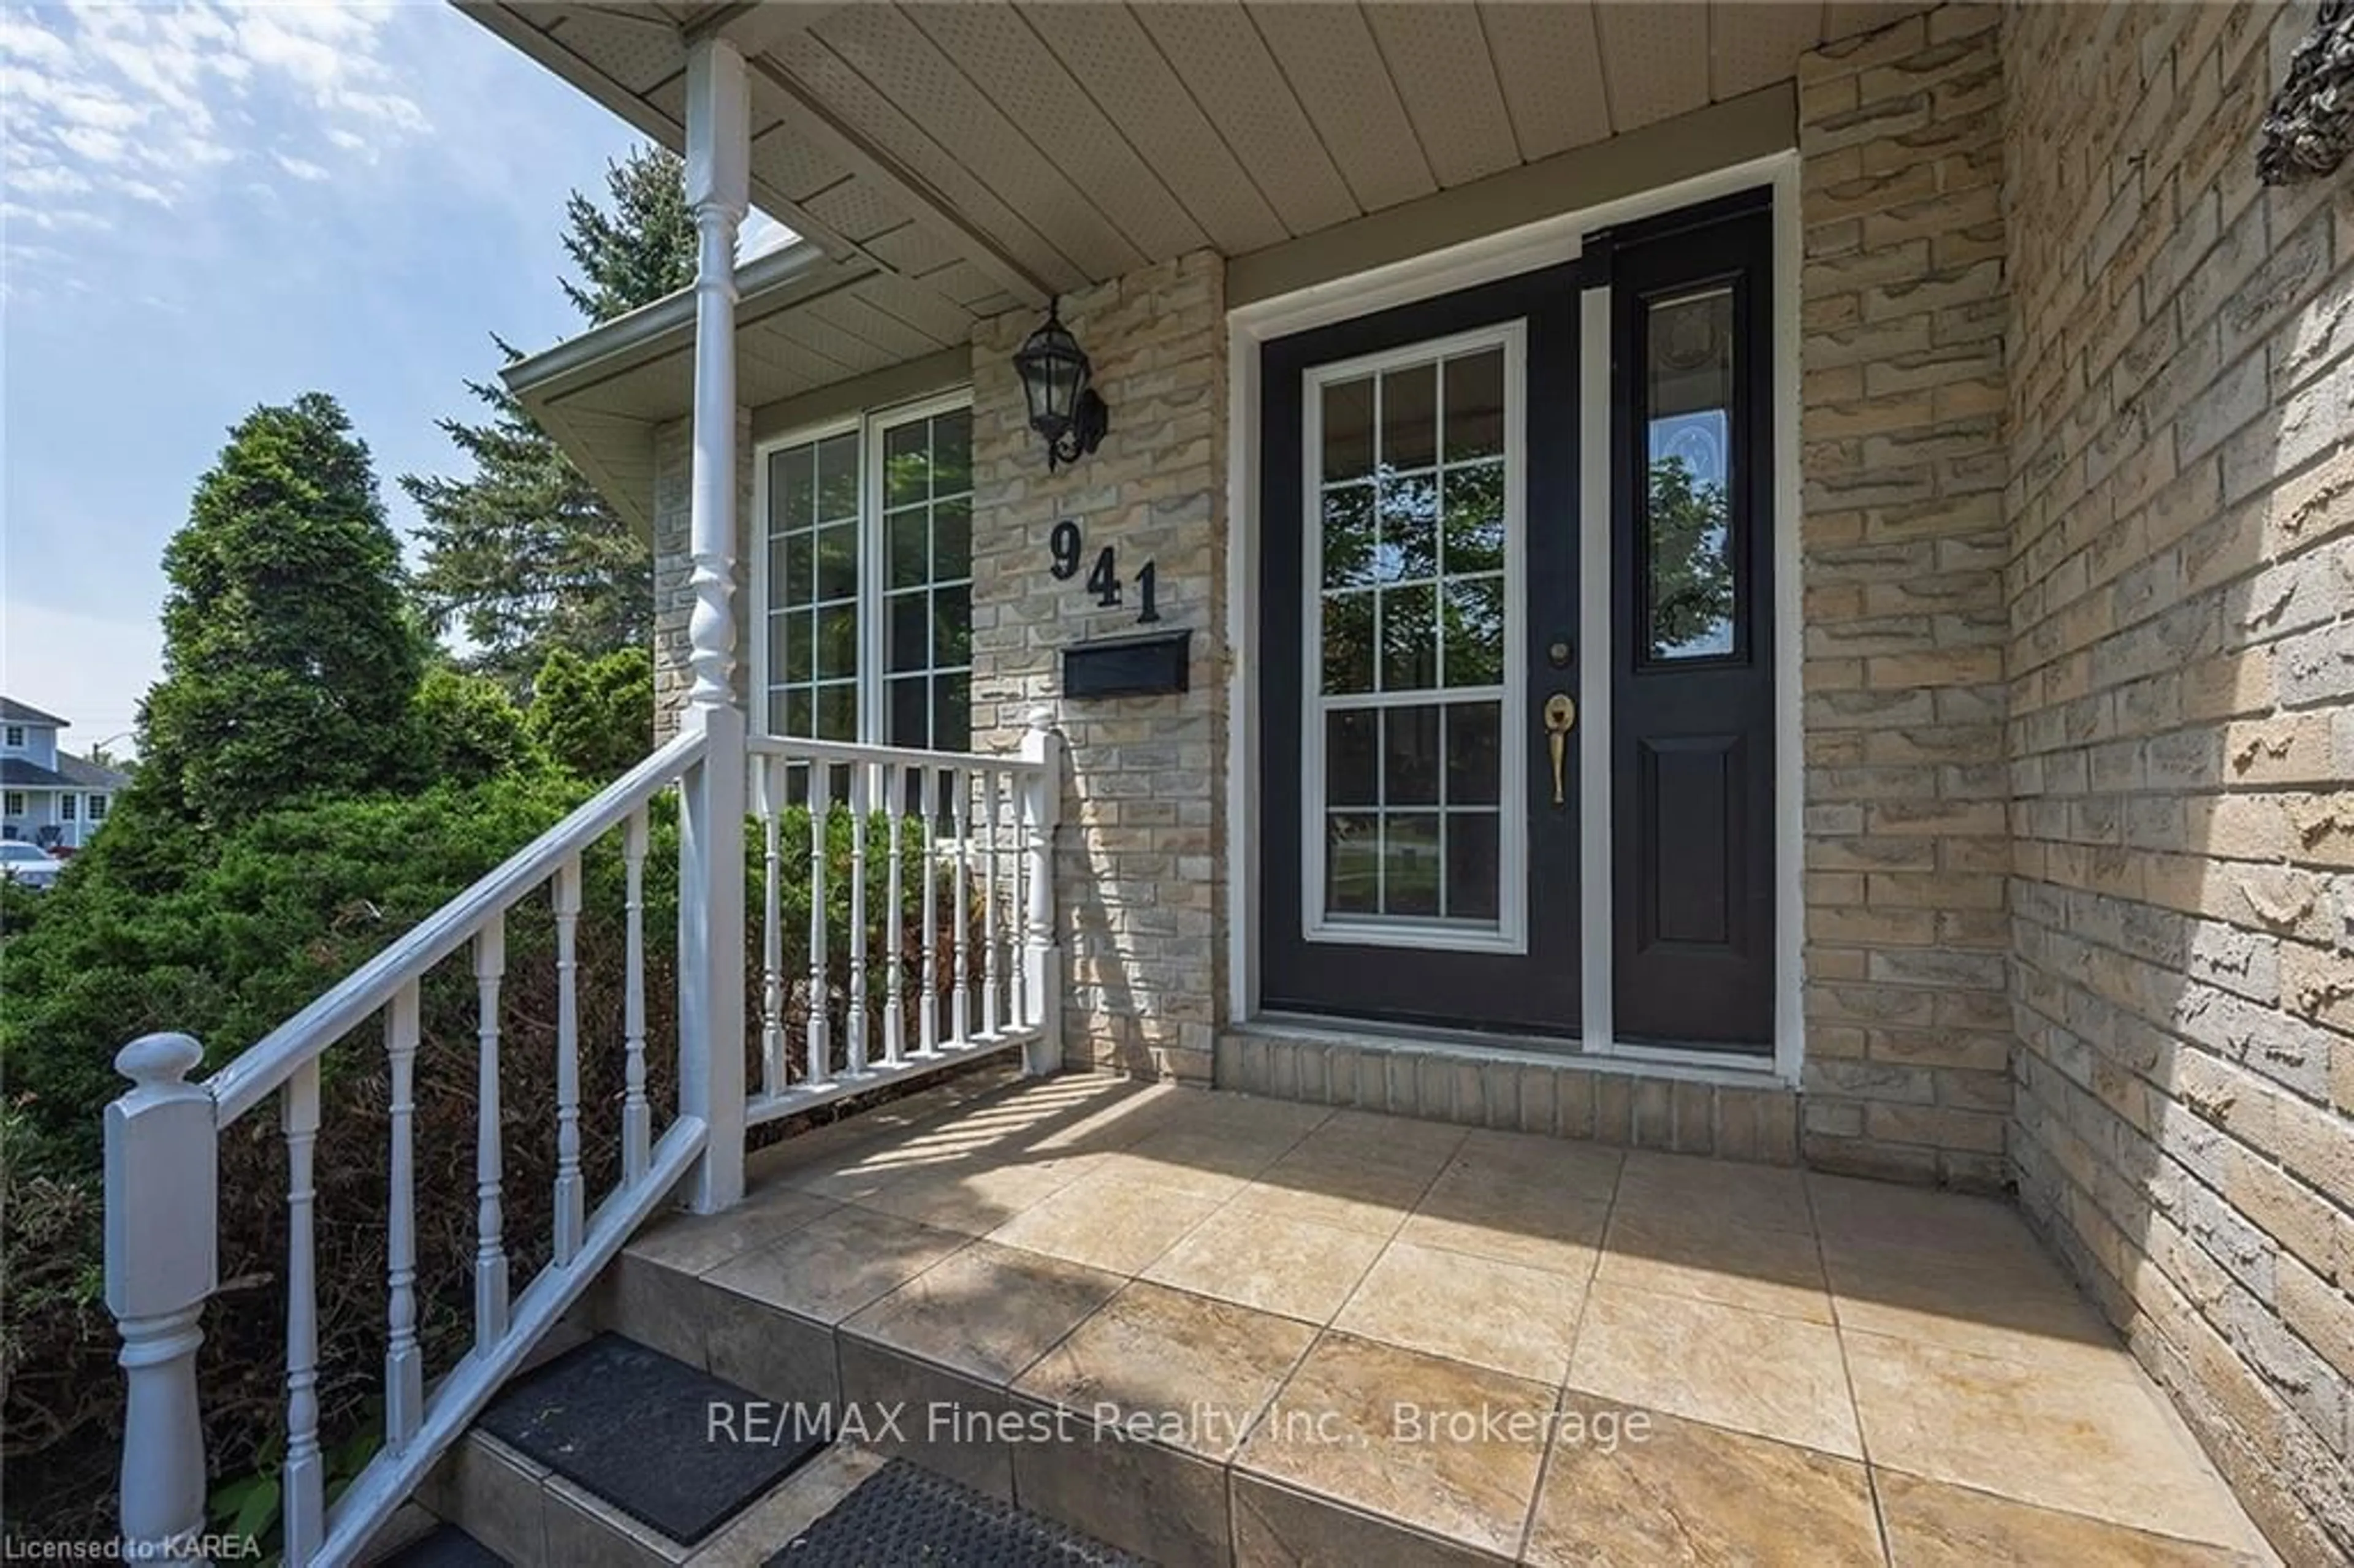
column 289, row 660
column 524, row 558
column 645, row 250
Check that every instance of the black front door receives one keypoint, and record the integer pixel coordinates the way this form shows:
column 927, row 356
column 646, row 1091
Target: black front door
column 1692, row 742
column 1419, row 546
column 1421, row 651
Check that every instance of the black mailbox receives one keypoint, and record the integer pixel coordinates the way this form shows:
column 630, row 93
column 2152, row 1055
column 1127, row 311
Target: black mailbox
column 1127, row 666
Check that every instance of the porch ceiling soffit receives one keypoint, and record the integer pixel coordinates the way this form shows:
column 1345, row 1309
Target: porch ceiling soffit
column 1037, row 147
column 804, row 321
column 947, row 163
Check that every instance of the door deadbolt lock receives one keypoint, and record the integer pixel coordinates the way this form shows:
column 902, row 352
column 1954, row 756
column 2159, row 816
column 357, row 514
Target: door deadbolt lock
column 1560, row 718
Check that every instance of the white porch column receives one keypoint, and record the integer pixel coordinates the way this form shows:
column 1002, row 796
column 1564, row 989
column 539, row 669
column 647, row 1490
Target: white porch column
column 711, row 835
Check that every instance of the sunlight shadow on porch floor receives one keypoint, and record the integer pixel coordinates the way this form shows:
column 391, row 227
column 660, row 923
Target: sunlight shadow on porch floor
column 1349, row 1338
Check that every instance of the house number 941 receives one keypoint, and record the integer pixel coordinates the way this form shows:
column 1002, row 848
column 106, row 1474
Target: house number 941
column 1068, row 547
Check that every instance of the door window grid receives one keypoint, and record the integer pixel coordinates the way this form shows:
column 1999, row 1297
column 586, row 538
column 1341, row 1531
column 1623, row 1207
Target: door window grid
column 1410, row 550
column 868, row 581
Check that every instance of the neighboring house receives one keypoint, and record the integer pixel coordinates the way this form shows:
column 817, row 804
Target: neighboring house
column 1735, row 580
column 52, row 798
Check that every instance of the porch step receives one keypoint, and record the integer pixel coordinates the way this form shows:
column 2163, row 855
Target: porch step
column 848, row 1507
column 611, row 1451
column 904, row 1513
column 1733, row 1110
column 445, row 1546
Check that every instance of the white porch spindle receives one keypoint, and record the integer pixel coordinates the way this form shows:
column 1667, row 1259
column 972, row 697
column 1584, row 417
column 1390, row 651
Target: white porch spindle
column 162, row 1261
column 489, row 1241
column 1018, row 792
column 855, row 1019
column 571, row 1190
column 772, row 929
column 993, row 975
column 895, row 973
column 820, row 1047
column 1042, row 958
column 404, row 1360
column 961, row 1005
column 711, row 836
column 637, row 1114
column 303, row 1486
column 928, row 1036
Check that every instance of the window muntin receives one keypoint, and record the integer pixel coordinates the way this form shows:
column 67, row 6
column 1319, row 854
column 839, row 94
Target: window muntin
column 14, row 737
column 97, row 808
column 1410, row 543
column 1691, row 599
column 869, row 587
column 66, row 804
column 13, row 803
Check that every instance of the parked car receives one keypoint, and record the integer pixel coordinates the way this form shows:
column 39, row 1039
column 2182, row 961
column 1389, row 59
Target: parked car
column 29, row 866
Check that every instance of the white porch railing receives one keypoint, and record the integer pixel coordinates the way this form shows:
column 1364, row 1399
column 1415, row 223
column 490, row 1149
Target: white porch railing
column 947, row 953
column 960, row 958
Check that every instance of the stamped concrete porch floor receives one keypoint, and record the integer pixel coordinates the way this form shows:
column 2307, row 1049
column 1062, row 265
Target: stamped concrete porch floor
column 1338, row 1338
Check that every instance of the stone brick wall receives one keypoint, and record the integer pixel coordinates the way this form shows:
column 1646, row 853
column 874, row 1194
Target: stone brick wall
column 1908, row 1027
column 1140, row 878
column 673, row 598
column 2181, row 728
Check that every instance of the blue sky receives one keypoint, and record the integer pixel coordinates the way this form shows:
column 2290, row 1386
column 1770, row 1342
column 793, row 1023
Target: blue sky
column 211, row 206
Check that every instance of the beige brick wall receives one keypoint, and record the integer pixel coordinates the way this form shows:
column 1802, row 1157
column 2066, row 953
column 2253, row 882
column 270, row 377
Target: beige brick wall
column 1140, row 878
column 1908, row 1028
column 2181, row 728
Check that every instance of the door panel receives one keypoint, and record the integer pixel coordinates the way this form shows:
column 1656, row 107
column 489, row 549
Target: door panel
column 1418, row 537
column 1691, row 677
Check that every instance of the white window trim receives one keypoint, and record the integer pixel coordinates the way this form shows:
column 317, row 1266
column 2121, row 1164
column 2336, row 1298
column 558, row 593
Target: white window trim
column 14, row 737
column 868, row 427
column 1487, row 258
column 1510, row 933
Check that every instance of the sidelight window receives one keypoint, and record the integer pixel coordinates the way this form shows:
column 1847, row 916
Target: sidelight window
column 1690, row 588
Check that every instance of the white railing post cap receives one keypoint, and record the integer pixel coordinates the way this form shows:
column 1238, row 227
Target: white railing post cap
column 162, row 1182
column 159, row 1061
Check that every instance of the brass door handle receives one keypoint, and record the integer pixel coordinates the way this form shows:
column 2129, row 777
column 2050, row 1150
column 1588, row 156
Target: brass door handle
column 1560, row 718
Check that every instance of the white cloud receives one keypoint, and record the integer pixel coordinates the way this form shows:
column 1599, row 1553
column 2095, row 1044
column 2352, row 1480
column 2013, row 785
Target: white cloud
column 105, row 103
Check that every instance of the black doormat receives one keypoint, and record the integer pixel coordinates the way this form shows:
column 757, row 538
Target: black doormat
column 445, row 1546
column 665, row 1443
column 903, row 1515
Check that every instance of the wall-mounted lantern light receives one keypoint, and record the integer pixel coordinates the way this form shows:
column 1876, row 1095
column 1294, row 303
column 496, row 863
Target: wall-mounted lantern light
column 1063, row 408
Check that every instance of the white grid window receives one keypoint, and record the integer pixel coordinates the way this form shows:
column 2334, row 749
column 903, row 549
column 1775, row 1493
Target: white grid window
column 866, row 585
column 813, row 570
column 66, row 808
column 928, row 581
column 97, row 808
column 1411, row 819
